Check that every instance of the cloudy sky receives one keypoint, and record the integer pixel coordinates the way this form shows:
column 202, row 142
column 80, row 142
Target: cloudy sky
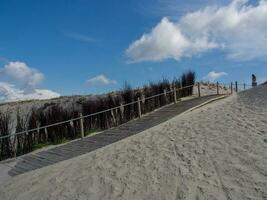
column 51, row 48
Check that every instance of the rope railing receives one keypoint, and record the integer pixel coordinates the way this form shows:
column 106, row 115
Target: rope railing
column 90, row 115
column 107, row 110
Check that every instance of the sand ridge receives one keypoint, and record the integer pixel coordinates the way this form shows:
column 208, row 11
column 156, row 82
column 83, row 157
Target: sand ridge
column 215, row 152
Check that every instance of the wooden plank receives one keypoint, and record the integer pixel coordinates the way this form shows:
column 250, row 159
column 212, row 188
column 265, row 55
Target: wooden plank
column 45, row 161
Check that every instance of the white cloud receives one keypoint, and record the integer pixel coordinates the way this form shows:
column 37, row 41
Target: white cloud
column 9, row 92
column 238, row 29
column 20, row 72
column 100, row 80
column 19, row 82
column 212, row 76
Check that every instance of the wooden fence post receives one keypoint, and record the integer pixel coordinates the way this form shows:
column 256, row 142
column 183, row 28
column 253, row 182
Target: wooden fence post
column 174, row 94
column 217, row 87
column 72, row 126
column 38, row 133
column 46, row 134
column 71, row 123
column 236, row 87
column 139, row 107
column 198, row 88
column 181, row 89
column 15, row 147
column 231, row 88
column 81, row 123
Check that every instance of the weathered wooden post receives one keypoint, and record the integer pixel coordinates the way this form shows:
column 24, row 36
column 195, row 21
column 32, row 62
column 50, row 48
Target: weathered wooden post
column 174, row 94
column 236, row 87
column 231, row 88
column 139, row 107
column 71, row 123
column 198, row 88
column 72, row 126
column 81, row 124
column 217, row 87
column 165, row 95
column 38, row 134
column 181, row 88
column 46, row 134
column 15, row 147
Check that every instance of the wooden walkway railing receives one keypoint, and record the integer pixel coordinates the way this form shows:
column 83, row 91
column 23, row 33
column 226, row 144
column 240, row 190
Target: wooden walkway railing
column 138, row 102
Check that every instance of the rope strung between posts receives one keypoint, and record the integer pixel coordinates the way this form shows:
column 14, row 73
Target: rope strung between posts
column 92, row 114
column 100, row 112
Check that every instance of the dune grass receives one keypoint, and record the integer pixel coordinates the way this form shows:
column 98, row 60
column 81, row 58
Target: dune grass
column 51, row 113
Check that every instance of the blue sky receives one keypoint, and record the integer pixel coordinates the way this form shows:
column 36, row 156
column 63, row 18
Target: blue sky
column 88, row 46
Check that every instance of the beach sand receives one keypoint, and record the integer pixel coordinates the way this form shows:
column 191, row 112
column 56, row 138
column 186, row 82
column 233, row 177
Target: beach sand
column 218, row 151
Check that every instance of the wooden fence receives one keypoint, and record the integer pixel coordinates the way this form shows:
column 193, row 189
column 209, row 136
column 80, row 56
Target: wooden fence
column 83, row 123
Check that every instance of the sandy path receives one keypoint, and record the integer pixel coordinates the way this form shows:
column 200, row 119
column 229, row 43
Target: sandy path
column 215, row 152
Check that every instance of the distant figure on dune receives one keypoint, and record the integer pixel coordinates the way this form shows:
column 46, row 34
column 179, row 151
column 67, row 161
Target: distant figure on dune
column 254, row 82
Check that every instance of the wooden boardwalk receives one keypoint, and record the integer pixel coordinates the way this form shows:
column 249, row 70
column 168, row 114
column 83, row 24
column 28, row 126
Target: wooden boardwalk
column 44, row 158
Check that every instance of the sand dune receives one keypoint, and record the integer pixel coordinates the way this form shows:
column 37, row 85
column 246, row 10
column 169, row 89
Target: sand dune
column 216, row 152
